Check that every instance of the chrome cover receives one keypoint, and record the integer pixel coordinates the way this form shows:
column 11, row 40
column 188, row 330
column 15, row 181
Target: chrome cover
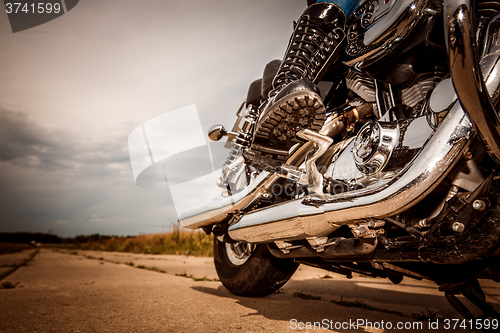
column 380, row 28
column 374, row 146
column 416, row 132
column 380, row 15
column 443, row 96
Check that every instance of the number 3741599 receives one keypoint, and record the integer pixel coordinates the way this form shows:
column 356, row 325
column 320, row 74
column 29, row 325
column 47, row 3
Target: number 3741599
column 473, row 324
column 39, row 8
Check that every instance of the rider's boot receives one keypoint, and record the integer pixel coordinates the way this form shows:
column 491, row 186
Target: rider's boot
column 294, row 102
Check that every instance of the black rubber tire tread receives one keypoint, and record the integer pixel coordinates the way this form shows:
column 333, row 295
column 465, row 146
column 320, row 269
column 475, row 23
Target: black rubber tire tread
column 261, row 275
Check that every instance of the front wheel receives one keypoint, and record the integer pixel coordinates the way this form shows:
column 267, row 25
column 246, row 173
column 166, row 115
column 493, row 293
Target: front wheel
column 250, row 270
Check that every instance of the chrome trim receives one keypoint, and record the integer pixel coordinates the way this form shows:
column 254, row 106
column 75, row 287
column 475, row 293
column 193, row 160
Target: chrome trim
column 490, row 60
column 468, row 80
column 300, row 219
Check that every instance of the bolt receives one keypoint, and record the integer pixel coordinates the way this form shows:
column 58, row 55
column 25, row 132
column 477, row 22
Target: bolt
column 420, row 223
column 266, row 195
column 478, row 205
column 458, row 227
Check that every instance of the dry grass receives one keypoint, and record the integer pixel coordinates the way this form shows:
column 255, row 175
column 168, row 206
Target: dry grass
column 190, row 276
column 8, row 285
column 362, row 305
column 13, row 248
column 306, row 296
column 185, row 242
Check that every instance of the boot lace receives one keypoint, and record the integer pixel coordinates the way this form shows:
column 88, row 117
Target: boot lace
column 311, row 45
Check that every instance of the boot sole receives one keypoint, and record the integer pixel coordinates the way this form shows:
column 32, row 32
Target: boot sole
column 276, row 132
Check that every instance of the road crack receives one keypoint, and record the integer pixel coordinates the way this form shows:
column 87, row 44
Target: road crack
column 16, row 267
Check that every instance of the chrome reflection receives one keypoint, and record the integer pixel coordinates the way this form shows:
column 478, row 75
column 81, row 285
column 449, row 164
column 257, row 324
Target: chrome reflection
column 238, row 253
column 381, row 27
column 467, row 74
column 313, row 216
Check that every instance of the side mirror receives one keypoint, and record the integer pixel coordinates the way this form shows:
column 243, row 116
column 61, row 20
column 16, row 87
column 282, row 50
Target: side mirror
column 216, row 132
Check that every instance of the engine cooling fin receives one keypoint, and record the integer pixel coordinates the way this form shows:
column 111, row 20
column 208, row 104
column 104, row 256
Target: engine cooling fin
column 416, row 91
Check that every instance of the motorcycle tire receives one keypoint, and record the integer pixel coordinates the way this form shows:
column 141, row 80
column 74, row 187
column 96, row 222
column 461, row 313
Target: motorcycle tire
column 257, row 275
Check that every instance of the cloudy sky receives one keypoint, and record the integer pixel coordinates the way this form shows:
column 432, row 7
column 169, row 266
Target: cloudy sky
column 73, row 89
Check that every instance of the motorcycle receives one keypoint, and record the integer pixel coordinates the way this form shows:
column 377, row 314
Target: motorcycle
column 402, row 180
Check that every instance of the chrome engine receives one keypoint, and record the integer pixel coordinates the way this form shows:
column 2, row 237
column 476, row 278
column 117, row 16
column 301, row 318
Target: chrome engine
column 399, row 141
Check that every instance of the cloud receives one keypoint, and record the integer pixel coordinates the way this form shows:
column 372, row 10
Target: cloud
column 95, row 218
column 28, row 144
column 51, row 179
column 21, row 138
column 65, row 157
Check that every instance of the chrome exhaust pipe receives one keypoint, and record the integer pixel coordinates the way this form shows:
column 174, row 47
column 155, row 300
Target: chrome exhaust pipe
column 317, row 217
column 221, row 208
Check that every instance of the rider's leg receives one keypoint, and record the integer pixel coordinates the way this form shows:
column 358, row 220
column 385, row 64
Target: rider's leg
column 348, row 6
column 294, row 102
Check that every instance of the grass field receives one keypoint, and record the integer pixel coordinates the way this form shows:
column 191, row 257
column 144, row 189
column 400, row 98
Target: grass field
column 178, row 241
column 13, row 248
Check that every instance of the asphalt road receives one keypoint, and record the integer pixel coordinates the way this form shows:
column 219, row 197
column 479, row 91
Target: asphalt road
column 88, row 291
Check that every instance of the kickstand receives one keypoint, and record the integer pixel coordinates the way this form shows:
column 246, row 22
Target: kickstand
column 474, row 293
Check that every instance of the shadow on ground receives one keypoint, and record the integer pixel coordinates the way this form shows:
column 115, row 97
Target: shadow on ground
column 370, row 300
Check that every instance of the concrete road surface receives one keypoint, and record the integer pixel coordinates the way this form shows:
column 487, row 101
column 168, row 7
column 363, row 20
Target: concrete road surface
column 87, row 291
